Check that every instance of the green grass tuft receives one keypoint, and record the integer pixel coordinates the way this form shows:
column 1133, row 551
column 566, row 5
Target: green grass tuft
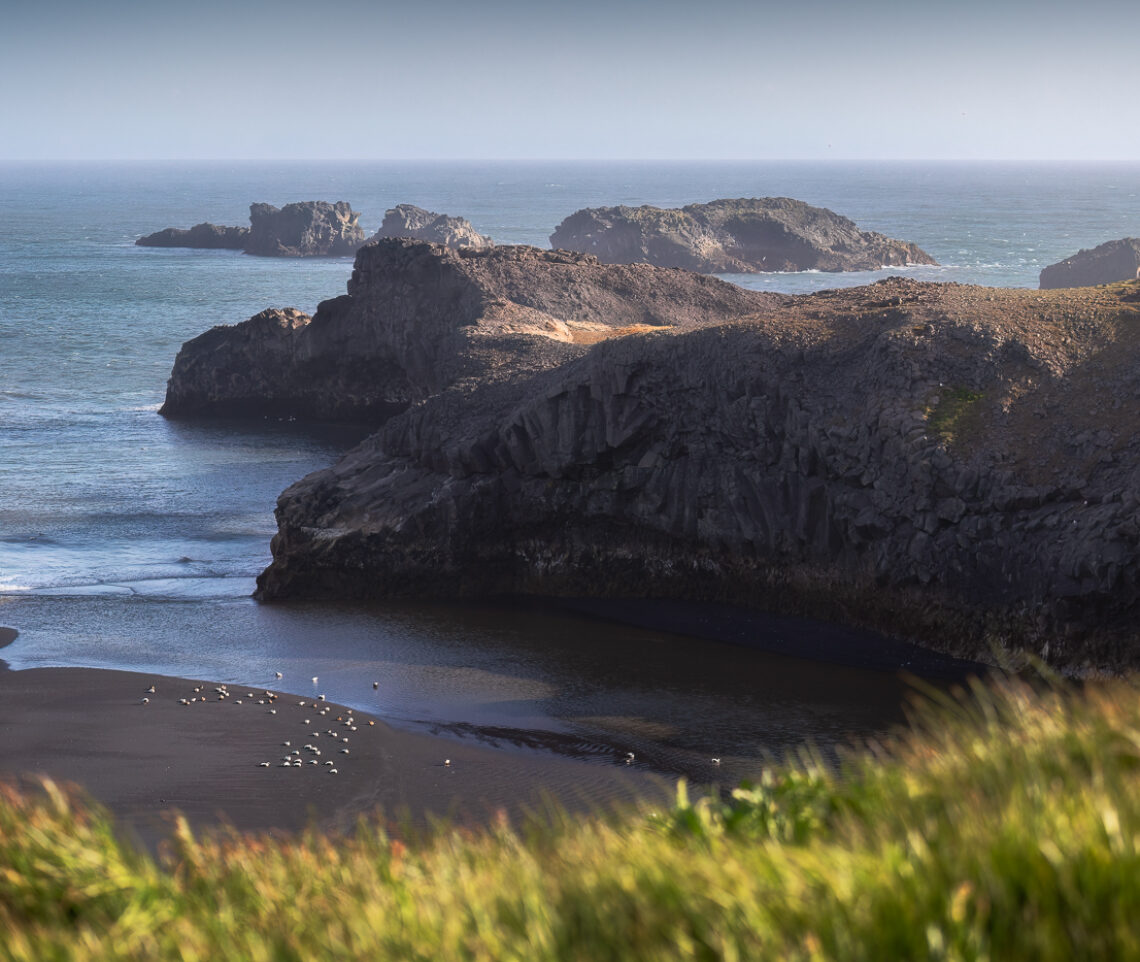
column 1006, row 825
column 948, row 417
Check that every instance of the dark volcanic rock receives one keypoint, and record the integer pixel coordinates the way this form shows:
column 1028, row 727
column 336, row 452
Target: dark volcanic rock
column 312, row 228
column 407, row 220
column 208, row 236
column 733, row 236
column 420, row 317
column 958, row 465
column 1118, row 260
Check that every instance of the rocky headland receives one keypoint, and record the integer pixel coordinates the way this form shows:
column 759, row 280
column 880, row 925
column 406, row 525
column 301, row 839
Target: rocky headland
column 743, row 236
column 955, row 465
column 312, row 228
column 1117, row 260
column 419, row 318
column 407, row 220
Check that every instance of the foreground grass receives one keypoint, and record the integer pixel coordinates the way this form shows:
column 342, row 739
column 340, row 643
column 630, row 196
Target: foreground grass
column 1005, row 826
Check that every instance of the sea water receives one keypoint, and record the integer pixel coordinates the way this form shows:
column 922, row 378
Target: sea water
column 130, row 541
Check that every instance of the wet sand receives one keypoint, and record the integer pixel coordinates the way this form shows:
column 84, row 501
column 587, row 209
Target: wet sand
column 145, row 760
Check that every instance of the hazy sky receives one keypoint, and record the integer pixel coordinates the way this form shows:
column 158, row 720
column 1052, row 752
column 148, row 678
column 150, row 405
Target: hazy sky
column 372, row 79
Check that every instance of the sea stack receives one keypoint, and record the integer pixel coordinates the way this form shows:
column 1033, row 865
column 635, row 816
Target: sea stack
column 312, row 228
column 407, row 220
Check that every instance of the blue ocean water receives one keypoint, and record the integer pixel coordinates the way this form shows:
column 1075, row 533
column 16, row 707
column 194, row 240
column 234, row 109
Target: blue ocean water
column 130, row 541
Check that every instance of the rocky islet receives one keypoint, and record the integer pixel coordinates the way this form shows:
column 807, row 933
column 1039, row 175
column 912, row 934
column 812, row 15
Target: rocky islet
column 748, row 235
column 304, row 229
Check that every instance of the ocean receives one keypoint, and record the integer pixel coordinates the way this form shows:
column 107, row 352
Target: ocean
column 129, row 541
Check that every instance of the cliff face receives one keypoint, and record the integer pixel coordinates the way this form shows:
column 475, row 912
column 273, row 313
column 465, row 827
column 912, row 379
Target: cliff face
column 407, row 220
column 418, row 318
column 959, row 465
column 733, row 236
column 1118, row 260
column 308, row 229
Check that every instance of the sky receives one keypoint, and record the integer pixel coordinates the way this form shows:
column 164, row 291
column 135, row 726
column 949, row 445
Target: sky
column 569, row 79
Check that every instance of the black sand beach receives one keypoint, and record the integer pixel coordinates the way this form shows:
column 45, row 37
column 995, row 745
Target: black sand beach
column 218, row 755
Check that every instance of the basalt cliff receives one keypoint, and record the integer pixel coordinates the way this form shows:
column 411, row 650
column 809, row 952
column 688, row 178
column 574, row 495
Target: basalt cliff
column 313, row 228
column 733, row 236
column 952, row 464
column 1117, row 260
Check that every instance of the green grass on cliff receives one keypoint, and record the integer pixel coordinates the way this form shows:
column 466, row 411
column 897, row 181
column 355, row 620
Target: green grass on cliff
column 1006, row 826
column 949, row 416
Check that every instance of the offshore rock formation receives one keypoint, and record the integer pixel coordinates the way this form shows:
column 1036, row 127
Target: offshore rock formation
column 313, row 228
column 407, row 220
column 1118, row 260
column 957, row 465
column 419, row 318
column 206, row 236
column 733, row 236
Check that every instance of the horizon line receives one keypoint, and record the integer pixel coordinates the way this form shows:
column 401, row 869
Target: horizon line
column 568, row 160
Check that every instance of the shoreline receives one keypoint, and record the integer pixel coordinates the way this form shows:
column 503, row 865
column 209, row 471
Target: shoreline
column 206, row 759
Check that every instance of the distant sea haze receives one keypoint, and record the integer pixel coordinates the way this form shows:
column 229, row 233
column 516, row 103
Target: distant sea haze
column 130, row 541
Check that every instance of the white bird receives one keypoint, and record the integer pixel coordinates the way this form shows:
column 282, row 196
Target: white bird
column 151, row 689
column 145, row 701
column 314, row 679
column 263, row 764
column 715, row 761
column 375, row 685
column 447, row 761
column 344, row 751
column 277, row 674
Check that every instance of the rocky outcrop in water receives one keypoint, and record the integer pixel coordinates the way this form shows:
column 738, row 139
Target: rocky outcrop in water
column 953, row 464
column 419, row 318
column 407, row 220
column 313, row 228
column 206, row 236
column 733, row 236
column 1118, row 260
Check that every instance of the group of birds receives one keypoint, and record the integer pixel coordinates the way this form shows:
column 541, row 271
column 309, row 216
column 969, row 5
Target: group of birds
column 293, row 759
column 346, row 719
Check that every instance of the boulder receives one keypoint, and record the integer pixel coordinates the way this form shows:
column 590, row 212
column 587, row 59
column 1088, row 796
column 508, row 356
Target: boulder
column 312, row 228
column 207, row 236
column 407, row 220
column 1117, row 260
column 733, row 236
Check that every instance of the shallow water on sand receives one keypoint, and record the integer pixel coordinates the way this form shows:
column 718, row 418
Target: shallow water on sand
column 524, row 677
